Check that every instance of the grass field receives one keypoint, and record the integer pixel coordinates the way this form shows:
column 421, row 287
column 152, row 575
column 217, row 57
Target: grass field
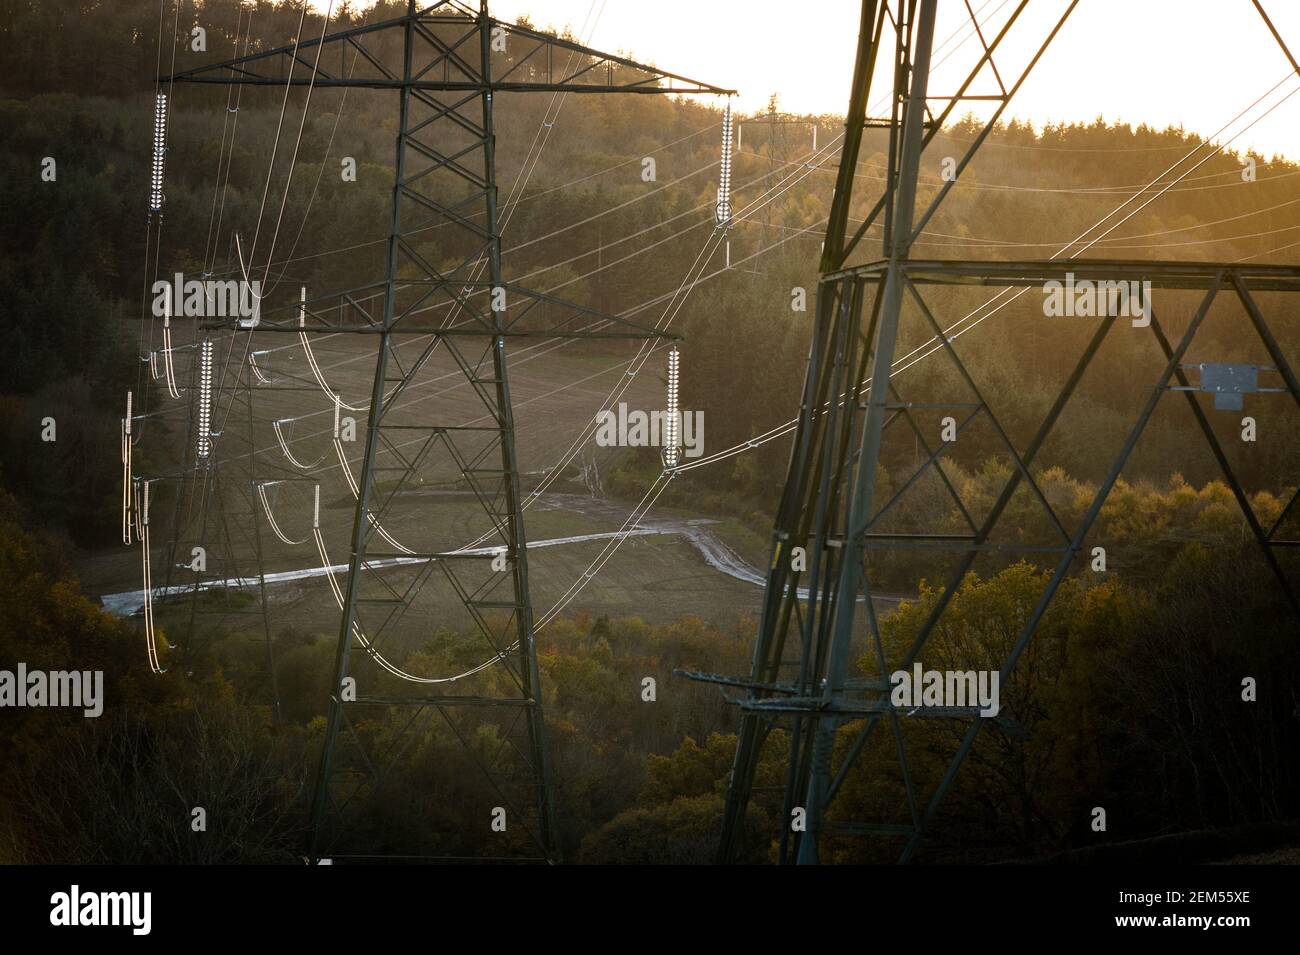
column 660, row 573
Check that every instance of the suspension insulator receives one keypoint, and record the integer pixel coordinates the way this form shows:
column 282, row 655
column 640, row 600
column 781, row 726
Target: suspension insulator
column 722, row 212
column 204, row 445
column 159, row 154
column 672, row 451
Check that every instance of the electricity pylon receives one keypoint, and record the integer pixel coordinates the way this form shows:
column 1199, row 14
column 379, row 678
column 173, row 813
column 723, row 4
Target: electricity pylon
column 833, row 508
column 454, row 60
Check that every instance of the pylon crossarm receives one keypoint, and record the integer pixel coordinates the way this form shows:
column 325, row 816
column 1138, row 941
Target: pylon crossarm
column 589, row 62
column 722, row 679
column 268, row 67
column 452, row 62
column 1035, row 272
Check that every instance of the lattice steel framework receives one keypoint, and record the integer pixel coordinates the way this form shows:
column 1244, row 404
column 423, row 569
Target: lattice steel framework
column 832, row 505
column 219, row 513
column 453, row 61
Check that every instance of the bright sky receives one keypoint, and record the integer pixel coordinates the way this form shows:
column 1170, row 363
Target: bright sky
column 1194, row 63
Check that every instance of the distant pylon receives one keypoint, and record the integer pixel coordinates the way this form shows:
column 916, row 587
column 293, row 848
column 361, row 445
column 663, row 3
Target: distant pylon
column 454, row 61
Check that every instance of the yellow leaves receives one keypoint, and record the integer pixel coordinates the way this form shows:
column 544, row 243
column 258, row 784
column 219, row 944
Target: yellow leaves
column 691, row 770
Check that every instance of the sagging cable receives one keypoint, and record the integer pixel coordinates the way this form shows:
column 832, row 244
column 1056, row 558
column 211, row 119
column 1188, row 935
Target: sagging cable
column 168, row 367
column 126, row 473
column 151, row 636
column 311, row 358
column 354, row 487
column 284, row 445
column 135, row 511
column 266, row 507
column 257, row 372
column 369, row 648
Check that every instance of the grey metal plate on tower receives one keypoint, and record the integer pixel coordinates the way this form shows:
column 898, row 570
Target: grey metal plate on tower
column 1228, row 383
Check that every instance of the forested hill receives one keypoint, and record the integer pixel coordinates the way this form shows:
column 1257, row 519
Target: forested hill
column 72, row 268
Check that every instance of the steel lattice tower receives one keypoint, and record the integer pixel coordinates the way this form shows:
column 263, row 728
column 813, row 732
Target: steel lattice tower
column 454, row 61
column 832, row 506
